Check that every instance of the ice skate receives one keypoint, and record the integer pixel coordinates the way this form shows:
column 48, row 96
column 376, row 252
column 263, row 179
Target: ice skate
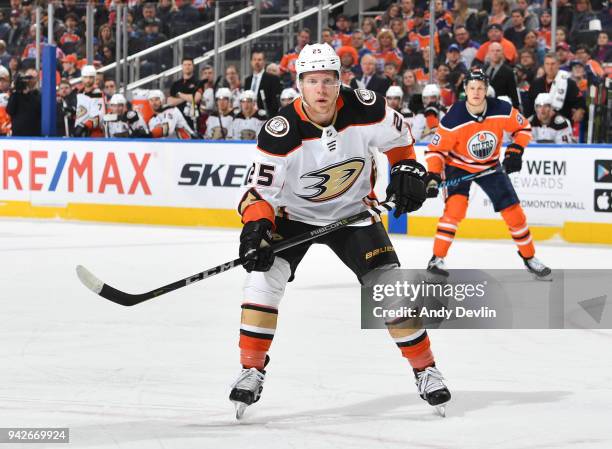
column 541, row 271
column 246, row 390
column 437, row 267
column 431, row 387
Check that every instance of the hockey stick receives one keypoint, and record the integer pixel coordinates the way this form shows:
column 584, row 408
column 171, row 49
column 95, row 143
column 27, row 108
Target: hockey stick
column 459, row 179
column 126, row 299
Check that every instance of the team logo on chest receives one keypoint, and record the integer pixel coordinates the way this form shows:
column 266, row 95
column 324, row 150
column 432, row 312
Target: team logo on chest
column 333, row 180
column 482, row 145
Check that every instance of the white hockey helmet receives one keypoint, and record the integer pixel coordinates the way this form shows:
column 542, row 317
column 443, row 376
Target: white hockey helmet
column 156, row 93
column 223, row 92
column 117, row 99
column 431, row 90
column 248, row 95
column 490, row 91
column 543, row 99
column 315, row 57
column 88, row 70
column 288, row 94
column 394, row 91
column 4, row 73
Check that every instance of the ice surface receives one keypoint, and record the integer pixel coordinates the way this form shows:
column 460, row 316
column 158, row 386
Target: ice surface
column 157, row 375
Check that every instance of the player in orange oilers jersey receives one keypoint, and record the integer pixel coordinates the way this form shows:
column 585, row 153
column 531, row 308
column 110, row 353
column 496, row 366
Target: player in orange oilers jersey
column 468, row 140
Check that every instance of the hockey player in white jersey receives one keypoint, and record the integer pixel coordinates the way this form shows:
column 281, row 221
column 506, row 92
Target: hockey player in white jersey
column 249, row 120
column 434, row 111
column 312, row 166
column 167, row 121
column 416, row 122
column 123, row 123
column 90, row 106
column 219, row 122
column 287, row 96
column 546, row 125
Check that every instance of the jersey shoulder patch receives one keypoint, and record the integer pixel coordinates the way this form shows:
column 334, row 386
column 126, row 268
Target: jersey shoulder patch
column 365, row 96
column 280, row 135
column 559, row 123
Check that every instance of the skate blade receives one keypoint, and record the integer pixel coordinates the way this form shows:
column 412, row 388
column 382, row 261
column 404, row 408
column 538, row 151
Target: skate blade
column 240, row 409
column 441, row 410
column 547, row 278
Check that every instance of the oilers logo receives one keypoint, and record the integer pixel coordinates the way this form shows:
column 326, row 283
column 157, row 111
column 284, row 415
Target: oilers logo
column 482, row 145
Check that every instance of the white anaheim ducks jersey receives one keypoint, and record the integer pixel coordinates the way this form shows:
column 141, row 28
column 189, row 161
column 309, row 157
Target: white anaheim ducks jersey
column 558, row 131
column 91, row 107
column 319, row 175
column 124, row 126
column 247, row 128
column 218, row 127
column 169, row 122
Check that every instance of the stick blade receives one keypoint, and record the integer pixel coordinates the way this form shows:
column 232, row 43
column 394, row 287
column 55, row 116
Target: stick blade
column 88, row 279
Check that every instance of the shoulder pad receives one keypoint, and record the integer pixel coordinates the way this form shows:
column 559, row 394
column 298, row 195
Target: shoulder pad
column 456, row 115
column 280, row 135
column 361, row 107
column 498, row 107
column 559, row 122
column 239, row 115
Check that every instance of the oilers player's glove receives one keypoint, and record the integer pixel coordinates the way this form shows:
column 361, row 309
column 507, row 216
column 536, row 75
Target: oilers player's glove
column 513, row 160
column 255, row 250
column 432, row 184
column 406, row 186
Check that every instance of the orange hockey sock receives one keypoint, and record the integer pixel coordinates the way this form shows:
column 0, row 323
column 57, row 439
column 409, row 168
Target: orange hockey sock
column 454, row 211
column 517, row 224
column 257, row 327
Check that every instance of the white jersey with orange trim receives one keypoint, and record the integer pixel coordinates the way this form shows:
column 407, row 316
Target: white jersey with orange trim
column 169, row 122
column 318, row 175
column 91, row 109
column 473, row 143
column 244, row 128
column 219, row 126
column 125, row 125
column 559, row 130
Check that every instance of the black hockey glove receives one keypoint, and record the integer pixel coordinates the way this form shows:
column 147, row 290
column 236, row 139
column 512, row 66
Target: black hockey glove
column 255, row 249
column 513, row 160
column 406, row 186
column 130, row 117
column 432, row 184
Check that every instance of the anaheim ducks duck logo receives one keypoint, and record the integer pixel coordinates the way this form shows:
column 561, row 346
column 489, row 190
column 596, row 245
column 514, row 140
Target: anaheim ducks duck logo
column 365, row 96
column 333, row 180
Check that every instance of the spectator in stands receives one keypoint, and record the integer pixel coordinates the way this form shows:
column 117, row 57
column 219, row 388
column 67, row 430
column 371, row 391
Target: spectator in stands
column 387, row 51
column 564, row 55
column 501, row 75
column 110, row 88
column 583, row 54
column 14, row 35
column 422, row 73
column 159, row 60
column 465, row 17
column 420, row 32
column 343, row 32
column 357, row 42
column 565, row 15
column 24, row 104
column 287, row 63
column 167, row 121
column 71, row 37
column 348, row 57
column 407, row 7
column 448, row 93
column 164, row 11
column 516, row 33
column 531, row 42
column 69, row 69
column 561, row 35
column 184, row 93
column 392, row 12
column 370, row 31
column 105, row 36
column 66, row 108
column 566, row 96
column 107, row 56
column 467, row 46
column 249, row 120
column 149, row 12
column 495, row 34
column 13, row 67
column 603, row 51
column 219, row 123
column 206, row 87
column 582, row 16
column 287, row 96
column 69, row 7
column 370, row 79
column 391, row 73
column 327, row 36
column 530, row 19
column 273, row 69
column 267, row 87
column 578, row 73
column 412, row 92
column 499, row 13
column 444, row 19
column 184, row 18
column 545, row 29
column 456, row 67
column 5, row 57
column 5, row 80
column 546, row 125
column 398, row 29
column 527, row 60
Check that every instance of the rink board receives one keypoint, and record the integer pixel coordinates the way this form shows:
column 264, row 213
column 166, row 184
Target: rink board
column 565, row 190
